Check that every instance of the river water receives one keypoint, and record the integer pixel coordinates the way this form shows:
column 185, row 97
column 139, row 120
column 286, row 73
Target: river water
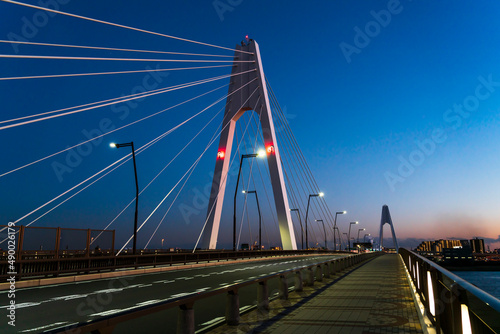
column 488, row 281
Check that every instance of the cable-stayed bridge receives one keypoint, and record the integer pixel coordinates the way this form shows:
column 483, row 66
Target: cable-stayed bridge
column 164, row 110
column 174, row 118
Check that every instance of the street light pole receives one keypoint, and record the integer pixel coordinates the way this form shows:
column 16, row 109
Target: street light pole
column 340, row 238
column 324, row 230
column 243, row 156
column 349, row 238
column 260, row 217
column 301, row 228
column 361, row 229
column 366, row 235
column 307, row 213
column 334, row 226
column 131, row 144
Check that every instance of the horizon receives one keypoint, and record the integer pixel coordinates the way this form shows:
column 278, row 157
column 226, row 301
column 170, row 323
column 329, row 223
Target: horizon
column 393, row 103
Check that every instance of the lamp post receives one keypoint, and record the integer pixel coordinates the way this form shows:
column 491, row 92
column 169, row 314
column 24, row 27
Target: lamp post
column 131, row 144
column 307, row 212
column 361, row 229
column 334, row 226
column 261, row 153
column 260, row 217
column 324, row 230
column 301, row 228
column 340, row 238
column 366, row 235
column 349, row 238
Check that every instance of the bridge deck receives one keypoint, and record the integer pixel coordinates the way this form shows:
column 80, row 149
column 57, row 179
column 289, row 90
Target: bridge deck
column 374, row 298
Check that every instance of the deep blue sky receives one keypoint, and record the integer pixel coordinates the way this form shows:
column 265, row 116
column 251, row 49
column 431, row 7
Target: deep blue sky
column 356, row 117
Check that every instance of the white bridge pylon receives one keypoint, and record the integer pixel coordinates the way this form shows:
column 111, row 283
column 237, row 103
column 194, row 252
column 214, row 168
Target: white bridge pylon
column 386, row 219
column 239, row 101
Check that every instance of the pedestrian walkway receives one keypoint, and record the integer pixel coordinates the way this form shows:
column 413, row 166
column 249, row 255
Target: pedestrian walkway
column 375, row 297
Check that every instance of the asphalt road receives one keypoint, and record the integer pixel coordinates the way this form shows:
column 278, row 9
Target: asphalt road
column 43, row 308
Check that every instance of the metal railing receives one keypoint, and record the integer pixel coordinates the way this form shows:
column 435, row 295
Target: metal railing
column 53, row 267
column 452, row 304
column 186, row 320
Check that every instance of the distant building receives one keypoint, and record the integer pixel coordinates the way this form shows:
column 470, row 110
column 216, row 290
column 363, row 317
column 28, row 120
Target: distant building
column 477, row 245
column 457, row 255
column 437, row 247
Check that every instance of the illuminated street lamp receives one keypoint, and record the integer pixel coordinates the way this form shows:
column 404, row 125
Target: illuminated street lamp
column 324, row 230
column 307, row 212
column 260, row 154
column 335, row 226
column 366, row 235
column 131, row 144
column 361, row 229
column 349, row 238
column 260, row 217
column 301, row 228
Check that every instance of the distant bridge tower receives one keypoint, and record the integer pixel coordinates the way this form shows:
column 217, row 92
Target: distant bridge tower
column 241, row 98
column 386, row 219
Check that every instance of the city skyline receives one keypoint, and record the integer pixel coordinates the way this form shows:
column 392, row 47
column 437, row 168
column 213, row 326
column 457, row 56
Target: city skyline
column 394, row 103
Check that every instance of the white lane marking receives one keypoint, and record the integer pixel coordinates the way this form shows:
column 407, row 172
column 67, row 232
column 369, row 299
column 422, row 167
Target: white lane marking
column 164, row 281
column 43, row 327
column 213, row 321
column 109, row 312
column 201, row 289
column 144, row 285
column 69, row 297
column 132, row 286
column 108, row 291
column 148, row 302
column 223, row 284
column 105, row 313
column 23, row 305
column 180, row 295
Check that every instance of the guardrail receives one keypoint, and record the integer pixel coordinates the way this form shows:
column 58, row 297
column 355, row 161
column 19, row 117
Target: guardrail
column 53, row 267
column 186, row 320
column 452, row 304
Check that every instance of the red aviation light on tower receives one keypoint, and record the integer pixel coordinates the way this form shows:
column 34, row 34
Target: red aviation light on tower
column 270, row 149
column 221, row 154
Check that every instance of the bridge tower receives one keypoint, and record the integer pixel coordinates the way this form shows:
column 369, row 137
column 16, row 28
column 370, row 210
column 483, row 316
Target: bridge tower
column 386, row 219
column 241, row 98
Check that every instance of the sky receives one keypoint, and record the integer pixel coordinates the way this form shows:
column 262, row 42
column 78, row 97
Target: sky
column 391, row 102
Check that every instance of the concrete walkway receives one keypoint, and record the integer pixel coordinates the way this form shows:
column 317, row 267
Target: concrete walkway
column 374, row 297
